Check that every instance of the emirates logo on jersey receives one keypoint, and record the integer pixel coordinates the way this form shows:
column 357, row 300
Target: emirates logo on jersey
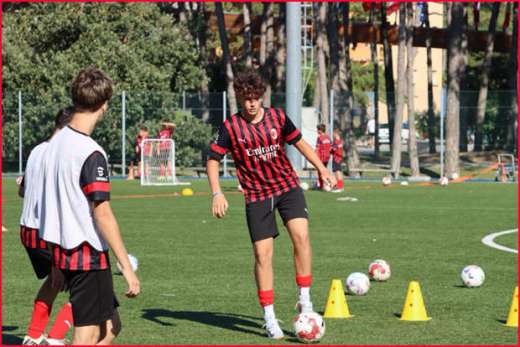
column 274, row 134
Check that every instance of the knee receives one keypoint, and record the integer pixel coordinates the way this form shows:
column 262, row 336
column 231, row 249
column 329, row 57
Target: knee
column 301, row 240
column 263, row 257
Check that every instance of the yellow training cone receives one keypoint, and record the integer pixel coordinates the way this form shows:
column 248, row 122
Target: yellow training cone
column 187, row 192
column 512, row 319
column 414, row 309
column 336, row 303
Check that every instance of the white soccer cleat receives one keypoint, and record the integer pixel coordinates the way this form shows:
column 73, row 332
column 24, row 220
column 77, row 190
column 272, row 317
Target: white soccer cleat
column 304, row 307
column 55, row 342
column 273, row 330
column 29, row 341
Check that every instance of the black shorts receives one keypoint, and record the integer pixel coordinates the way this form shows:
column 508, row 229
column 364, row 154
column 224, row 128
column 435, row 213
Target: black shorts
column 137, row 157
column 41, row 260
column 336, row 166
column 92, row 296
column 261, row 218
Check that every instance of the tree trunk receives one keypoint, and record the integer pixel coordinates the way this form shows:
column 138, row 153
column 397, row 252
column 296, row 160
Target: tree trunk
column 456, row 67
column 232, row 100
column 202, row 43
column 373, row 57
column 321, row 17
column 389, row 73
column 401, row 89
column 410, row 51
column 431, row 105
column 463, row 144
column 346, row 121
column 280, row 51
column 246, row 11
column 332, row 35
column 512, row 123
column 266, row 50
column 484, row 77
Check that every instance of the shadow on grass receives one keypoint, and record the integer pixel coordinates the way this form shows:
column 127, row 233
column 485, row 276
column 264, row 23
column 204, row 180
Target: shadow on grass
column 236, row 322
column 10, row 339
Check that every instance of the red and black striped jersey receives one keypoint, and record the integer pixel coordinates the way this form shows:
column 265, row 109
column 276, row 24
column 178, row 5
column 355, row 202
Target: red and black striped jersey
column 323, row 147
column 337, row 151
column 30, row 238
column 258, row 151
column 81, row 258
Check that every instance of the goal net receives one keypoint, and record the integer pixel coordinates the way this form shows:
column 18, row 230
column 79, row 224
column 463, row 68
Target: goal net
column 158, row 163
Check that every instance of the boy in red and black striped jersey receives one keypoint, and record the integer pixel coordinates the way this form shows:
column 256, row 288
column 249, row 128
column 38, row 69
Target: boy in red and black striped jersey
column 323, row 148
column 138, row 147
column 77, row 218
column 39, row 251
column 256, row 138
column 337, row 159
column 165, row 133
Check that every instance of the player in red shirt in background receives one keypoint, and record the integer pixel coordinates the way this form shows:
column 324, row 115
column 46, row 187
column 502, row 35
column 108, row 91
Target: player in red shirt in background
column 142, row 135
column 337, row 158
column 323, row 148
column 166, row 132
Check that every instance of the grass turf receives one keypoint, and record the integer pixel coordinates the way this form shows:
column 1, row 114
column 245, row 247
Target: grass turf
column 196, row 271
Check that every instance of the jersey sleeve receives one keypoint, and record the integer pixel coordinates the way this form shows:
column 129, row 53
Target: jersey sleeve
column 221, row 145
column 94, row 179
column 290, row 133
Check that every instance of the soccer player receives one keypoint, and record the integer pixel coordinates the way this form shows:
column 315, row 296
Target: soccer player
column 256, row 138
column 166, row 132
column 337, row 158
column 77, row 218
column 141, row 136
column 323, row 147
column 30, row 189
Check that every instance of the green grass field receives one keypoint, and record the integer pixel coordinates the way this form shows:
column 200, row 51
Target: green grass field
column 196, row 271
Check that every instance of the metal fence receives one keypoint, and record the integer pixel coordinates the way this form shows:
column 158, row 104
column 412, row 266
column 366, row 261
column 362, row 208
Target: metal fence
column 28, row 119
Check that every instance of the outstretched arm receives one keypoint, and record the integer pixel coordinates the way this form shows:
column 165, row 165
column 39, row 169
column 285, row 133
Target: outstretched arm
column 219, row 203
column 308, row 152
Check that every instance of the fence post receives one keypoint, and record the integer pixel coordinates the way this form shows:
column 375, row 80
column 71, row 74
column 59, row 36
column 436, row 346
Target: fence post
column 224, row 116
column 184, row 100
column 20, row 134
column 123, row 133
column 331, row 122
column 443, row 114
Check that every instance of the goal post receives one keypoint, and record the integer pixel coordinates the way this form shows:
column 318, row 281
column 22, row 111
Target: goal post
column 158, row 163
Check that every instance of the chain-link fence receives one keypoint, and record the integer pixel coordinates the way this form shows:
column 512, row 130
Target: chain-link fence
column 28, row 119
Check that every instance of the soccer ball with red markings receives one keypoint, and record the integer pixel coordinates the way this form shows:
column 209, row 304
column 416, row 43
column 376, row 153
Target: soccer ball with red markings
column 387, row 180
column 309, row 327
column 379, row 270
column 357, row 283
column 443, row 181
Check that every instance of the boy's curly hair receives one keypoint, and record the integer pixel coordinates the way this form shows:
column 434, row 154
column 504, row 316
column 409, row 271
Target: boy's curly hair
column 249, row 84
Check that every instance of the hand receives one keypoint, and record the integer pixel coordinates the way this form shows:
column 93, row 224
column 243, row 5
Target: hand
column 220, row 206
column 133, row 283
column 328, row 178
column 19, row 180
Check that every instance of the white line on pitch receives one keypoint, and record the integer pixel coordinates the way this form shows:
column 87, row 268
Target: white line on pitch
column 167, row 294
column 489, row 240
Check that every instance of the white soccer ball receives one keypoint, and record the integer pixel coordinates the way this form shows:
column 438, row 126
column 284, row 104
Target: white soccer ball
column 443, row 181
column 472, row 276
column 357, row 283
column 327, row 187
column 379, row 270
column 133, row 261
column 387, row 180
column 304, row 185
column 309, row 327
column 404, row 183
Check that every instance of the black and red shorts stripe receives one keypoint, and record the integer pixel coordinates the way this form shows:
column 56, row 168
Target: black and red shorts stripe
column 81, row 258
column 37, row 250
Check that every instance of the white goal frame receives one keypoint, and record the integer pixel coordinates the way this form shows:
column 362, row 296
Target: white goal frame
column 153, row 164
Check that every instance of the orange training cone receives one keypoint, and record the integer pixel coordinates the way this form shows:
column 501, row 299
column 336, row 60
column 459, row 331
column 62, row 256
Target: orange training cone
column 512, row 319
column 414, row 309
column 336, row 303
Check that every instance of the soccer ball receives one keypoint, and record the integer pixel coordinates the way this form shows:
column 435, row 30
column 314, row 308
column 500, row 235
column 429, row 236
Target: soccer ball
column 379, row 270
column 387, row 180
column 472, row 276
column 304, row 185
column 404, row 183
column 443, row 181
column 357, row 283
column 133, row 261
column 309, row 327
column 327, row 187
